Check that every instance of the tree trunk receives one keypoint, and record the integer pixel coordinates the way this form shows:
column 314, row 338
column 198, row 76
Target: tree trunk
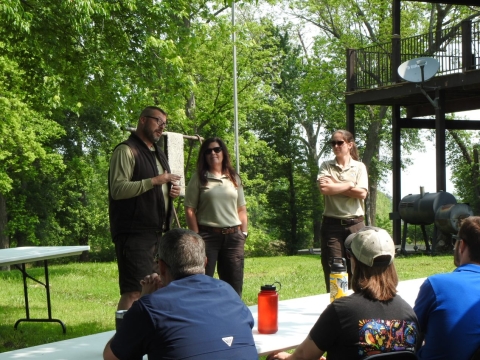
column 372, row 208
column 293, row 244
column 83, row 239
column 4, row 240
column 372, row 152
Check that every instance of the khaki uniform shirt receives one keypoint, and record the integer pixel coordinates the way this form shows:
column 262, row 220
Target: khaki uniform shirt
column 341, row 206
column 217, row 202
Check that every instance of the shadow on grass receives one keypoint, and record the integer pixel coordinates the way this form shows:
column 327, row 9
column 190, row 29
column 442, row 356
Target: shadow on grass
column 30, row 334
column 38, row 272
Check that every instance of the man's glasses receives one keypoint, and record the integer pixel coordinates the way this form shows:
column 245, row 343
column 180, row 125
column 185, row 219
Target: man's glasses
column 159, row 121
column 216, row 150
column 337, row 143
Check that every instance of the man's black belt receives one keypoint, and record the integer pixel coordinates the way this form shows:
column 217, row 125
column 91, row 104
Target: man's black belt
column 224, row 231
column 343, row 222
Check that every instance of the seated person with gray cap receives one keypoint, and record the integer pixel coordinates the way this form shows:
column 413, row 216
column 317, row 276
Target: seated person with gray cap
column 374, row 319
column 183, row 313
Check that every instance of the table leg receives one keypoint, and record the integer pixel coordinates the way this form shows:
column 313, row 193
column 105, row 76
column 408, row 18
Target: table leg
column 25, row 292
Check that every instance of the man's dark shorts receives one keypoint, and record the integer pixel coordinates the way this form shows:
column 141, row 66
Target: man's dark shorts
column 135, row 259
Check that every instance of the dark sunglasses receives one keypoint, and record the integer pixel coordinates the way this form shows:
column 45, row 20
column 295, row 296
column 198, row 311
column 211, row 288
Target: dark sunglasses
column 337, row 143
column 216, row 149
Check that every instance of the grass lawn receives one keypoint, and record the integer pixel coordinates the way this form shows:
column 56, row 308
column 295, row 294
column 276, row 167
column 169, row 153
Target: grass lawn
column 84, row 296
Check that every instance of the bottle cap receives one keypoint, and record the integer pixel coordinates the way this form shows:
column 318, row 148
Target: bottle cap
column 268, row 287
column 338, row 265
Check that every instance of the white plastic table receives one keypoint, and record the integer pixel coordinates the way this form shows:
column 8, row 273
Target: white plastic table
column 296, row 318
column 26, row 254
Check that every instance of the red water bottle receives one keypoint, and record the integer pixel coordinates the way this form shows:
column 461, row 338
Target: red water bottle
column 268, row 310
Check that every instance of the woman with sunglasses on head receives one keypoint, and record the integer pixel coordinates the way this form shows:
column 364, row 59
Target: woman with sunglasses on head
column 215, row 208
column 344, row 183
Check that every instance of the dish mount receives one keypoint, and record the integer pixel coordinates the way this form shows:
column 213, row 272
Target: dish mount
column 418, row 71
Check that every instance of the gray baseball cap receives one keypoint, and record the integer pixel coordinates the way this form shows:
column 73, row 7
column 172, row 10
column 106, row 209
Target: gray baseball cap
column 369, row 243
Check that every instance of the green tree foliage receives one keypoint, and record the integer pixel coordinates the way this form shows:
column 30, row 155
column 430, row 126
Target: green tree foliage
column 384, row 208
column 465, row 166
column 74, row 74
column 25, row 157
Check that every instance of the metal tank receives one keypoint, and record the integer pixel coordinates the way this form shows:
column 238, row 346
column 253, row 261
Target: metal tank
column 440, row 209
column 420, row 209
column 448, row 218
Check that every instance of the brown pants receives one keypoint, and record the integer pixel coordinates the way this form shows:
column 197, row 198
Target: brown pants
column 332, row 245
column 226, row 252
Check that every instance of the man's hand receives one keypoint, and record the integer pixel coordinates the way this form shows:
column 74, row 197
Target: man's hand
column 175, row 191
column 165, row 178
column 150, row 284
column 278, row 355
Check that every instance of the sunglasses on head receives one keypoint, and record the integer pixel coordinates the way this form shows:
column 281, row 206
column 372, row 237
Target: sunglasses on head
column 216, row 150
column 337, row 143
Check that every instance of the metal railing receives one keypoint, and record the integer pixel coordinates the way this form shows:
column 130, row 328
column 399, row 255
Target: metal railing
column 456, row 48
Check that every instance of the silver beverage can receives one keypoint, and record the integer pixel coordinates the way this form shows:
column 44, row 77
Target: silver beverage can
column 119, row 318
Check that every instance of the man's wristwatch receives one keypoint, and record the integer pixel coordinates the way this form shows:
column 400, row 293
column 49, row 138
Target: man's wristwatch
column 245, row 234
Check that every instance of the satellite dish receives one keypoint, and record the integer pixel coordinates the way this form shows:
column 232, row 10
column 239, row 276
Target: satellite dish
column 411, row 70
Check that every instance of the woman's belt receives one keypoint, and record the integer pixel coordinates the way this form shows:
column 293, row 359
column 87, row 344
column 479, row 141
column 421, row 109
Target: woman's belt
column 351, row 221
column 224, row 231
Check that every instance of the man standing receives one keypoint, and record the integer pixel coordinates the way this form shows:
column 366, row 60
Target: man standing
column 183, row 313
column 141, row 190
column 448, row 305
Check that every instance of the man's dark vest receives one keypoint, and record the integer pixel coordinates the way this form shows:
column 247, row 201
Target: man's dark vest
column 146, row 212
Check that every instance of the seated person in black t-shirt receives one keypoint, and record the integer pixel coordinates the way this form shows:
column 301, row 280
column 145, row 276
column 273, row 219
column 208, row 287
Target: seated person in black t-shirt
column 373, row 319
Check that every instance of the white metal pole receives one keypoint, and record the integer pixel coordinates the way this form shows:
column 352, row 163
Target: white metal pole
column 235, row 105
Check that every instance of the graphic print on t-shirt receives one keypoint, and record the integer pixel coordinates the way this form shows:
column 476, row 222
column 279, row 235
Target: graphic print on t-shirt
column 381, row 336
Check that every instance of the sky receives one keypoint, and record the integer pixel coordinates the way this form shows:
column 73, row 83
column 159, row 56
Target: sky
column 423, row 170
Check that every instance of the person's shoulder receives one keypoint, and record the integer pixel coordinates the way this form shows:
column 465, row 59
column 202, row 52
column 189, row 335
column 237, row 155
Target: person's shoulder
column 398, row 300
column 122, row 149
column 216, row 282
column 462, row 272
column 329, row 162
column 352, row 301
column 121, row 146
column 444, row 282
column 225, row 289
column 357, row 163
column 238, row 179
column 194, row 176
column 194, row 181
column 442, row 277
column 470, row 267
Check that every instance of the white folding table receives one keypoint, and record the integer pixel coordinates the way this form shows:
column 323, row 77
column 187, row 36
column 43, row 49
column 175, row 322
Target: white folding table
column 25, row 254
column 295, row 319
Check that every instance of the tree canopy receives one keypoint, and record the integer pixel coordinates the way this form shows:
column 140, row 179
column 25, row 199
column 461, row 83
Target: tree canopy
column 75, row 74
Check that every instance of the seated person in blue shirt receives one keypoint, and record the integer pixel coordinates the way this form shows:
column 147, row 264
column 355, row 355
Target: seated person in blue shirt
column 448, row 305
column 182, row 313
column 373, row 320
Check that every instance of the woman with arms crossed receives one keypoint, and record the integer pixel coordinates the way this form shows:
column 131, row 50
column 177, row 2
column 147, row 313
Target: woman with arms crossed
column 215, row 208
column 344, row 183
